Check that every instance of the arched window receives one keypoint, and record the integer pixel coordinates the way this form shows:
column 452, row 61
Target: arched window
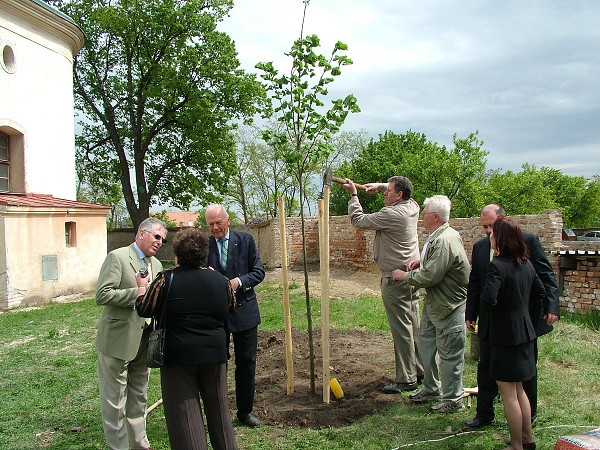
column 12, row 161
column 4, row 163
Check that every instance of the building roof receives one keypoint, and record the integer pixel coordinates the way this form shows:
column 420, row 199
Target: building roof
column 187, row 218
column 577, row 252
column 45, row 200
column 45, row 17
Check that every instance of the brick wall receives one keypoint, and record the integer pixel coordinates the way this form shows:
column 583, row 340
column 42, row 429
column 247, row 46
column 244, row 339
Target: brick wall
column 579, row 282
column 352, row 248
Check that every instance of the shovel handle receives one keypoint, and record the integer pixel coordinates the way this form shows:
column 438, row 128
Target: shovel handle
column 343, row 181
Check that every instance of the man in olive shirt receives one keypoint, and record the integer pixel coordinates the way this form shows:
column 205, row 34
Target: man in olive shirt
column 443, row 271
column 395, row 244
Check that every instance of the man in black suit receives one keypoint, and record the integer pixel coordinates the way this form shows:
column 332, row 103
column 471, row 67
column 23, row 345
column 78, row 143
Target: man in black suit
column 234, row 254
column 541, row 317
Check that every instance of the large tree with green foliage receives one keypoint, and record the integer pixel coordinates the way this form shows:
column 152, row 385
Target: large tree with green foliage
column 157, row 87
column 532, row 190
column 458, row 172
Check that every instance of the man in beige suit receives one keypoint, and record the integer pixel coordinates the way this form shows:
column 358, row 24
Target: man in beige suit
column 395, row 245
column 122, row 340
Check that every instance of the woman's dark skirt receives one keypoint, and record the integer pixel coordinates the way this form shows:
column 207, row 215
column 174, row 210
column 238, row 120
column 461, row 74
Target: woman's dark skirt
column 512, row 363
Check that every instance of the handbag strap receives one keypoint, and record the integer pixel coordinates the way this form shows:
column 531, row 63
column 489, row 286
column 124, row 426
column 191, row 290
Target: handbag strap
column 166, row 297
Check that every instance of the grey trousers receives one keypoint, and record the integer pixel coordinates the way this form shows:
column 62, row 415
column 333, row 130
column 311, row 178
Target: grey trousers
column 181, row 386
column 401, row 302
column 443, row 342
column 123, row 385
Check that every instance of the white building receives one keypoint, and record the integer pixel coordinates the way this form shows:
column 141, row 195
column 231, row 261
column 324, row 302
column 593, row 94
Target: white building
column 50, row 244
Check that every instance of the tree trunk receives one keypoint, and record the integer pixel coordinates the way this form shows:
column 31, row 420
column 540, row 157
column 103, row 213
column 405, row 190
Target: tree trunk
column 311, row 351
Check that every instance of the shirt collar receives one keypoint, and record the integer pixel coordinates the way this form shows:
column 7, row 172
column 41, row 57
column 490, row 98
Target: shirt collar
column 437, row 232
column 138, row 251
column 224, row 237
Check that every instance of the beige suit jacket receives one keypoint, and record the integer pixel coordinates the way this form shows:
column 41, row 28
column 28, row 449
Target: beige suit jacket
column 120, row 328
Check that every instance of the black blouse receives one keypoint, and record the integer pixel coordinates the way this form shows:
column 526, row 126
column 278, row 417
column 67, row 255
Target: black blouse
column 196, row 310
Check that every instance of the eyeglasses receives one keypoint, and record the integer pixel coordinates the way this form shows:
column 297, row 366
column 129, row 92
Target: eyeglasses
column 429, row 212
column 157, row 236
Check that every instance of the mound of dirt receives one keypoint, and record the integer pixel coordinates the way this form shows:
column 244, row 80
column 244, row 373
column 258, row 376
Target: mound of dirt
column 359, row 361
column 362, row 363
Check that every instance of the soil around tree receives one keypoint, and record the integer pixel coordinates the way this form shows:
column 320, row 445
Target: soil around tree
column 361, row 362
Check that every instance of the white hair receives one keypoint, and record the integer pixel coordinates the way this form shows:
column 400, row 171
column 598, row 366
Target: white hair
column 439, row 204
column 215, row 207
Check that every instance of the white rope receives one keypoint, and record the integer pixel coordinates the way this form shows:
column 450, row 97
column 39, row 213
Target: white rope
column 463, row 433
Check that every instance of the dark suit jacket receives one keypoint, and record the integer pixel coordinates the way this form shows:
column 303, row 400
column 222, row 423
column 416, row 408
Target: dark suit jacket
column 243, row 261
column 508, row 291
column 479, row 263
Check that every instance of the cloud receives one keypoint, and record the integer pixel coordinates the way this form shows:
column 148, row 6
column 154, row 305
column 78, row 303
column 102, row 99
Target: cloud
column 525, row 74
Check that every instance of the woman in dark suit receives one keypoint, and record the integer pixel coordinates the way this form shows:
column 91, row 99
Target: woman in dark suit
column 510, row 284
column 196, row 309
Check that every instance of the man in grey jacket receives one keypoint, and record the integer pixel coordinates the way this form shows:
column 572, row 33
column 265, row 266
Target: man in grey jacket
column 443, row 271
column 395, row 244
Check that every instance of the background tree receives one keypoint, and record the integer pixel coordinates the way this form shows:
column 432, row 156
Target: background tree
column 576, row 197
column 521, row 192
column 262, row 177
column 533, row 190
column 158, row 86
column 458, row 172
column 307, row 125
column 55, row 3
column 92, row 189
column 588, row 213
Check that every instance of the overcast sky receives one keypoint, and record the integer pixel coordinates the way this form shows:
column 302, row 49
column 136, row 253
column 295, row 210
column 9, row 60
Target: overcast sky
column 526, row 74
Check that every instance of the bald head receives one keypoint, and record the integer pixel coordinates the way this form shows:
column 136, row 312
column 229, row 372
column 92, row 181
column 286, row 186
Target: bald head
column 489, row 214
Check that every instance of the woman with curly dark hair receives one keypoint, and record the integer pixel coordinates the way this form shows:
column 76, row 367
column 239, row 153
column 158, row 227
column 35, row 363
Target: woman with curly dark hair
column 195, row 345
column 510, row 284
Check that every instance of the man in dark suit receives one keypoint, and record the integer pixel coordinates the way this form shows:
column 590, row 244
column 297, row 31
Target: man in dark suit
column 122, row 337
column 234, row 254
column 542, row 315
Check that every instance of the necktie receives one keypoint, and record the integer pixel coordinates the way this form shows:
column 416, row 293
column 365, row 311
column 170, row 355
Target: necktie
column 148, row 267
column 223, row 242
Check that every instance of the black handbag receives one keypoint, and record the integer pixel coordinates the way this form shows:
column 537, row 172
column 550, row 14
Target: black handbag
column 155, row 357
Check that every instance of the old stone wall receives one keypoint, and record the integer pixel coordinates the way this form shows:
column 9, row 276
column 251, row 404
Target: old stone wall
column 579, row 282
column 352, row 248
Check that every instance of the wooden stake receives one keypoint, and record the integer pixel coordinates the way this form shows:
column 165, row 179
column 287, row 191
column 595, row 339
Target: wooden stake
column 289, row 361
column 324, row 266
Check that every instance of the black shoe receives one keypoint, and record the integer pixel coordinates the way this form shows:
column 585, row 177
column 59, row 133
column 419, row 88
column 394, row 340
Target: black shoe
column 530, row 446
column 478, row 422
column 249, row 420
column 396, row 388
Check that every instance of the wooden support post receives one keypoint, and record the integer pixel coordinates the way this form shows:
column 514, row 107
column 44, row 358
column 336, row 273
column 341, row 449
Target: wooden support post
column 324, row 266
column 289, row 360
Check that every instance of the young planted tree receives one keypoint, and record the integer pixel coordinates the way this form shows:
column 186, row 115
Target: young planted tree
column 307, row 124
column 158, row 87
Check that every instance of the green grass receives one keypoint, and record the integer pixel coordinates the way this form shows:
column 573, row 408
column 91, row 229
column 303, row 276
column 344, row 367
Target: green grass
column 49, row 387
